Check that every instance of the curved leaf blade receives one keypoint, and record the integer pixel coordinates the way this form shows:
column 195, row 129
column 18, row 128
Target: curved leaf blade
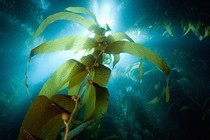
column 117, row 37
column 90, row 25
column 116, row 59
column 101, row 75
column 39, row 113
column 65, row 43
column 82, row 10
column 102, row 95
column 87, row 103
column 62, row 75
column 138, row 50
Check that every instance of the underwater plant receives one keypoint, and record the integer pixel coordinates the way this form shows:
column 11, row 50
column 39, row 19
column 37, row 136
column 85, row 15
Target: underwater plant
column 85, row 79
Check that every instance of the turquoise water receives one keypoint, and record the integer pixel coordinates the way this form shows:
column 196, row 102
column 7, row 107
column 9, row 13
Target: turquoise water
column 129, row 116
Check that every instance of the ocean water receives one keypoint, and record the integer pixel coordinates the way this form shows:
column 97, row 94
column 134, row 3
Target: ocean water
column 175, row 30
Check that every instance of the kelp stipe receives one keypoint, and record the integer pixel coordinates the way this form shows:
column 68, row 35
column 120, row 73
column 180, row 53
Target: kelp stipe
column 85, row 79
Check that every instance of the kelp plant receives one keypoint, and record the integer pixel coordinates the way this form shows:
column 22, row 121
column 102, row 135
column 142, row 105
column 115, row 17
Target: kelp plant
column 85, row 79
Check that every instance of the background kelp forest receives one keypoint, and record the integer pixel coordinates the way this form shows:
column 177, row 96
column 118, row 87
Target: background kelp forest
column 178, row 31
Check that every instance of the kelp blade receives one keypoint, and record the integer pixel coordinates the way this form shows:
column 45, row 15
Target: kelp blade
column 65, row 43
column 38, row 114
column 87, row 104
column 61, row 76
column 140, row 69
column 102, row 95
column 82, row 10
column 117, row 37
column 138, row 50
column 90, row 25
column 101, row 75
column 116, row 59
column 43, row 119
column 76, row 82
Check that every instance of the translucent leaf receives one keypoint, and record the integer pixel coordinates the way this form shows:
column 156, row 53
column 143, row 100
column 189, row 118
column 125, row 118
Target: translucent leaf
column 116, row 59
column 61, row 76
column 102, row 95
column 87, row 103
column 65, row 43
column 90, row 25
column 76, row 83
column 82, row 10
column 138, row 50
column 106, row 27
column 43, row 117
column 87, row 60
column 140, row 69
column 101, row 76
column 117, row 37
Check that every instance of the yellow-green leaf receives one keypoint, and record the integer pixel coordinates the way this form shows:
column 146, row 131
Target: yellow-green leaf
column 87, row 103
column 87, row 60
column 65, row 43
column 82, row 10
column 117, row 37
column 102, row 95
column 116, row 59
column 153, row 101
column 61, row 76
column 138, row 50
column 101, row 75
column 76, row 82
column 140, row 69
column 90, row 25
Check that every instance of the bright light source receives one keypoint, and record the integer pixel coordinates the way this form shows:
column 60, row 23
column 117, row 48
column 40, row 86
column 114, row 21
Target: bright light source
column 105, row 12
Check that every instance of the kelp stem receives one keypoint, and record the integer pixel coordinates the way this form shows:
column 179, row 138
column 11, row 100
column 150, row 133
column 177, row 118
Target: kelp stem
column 75, row 98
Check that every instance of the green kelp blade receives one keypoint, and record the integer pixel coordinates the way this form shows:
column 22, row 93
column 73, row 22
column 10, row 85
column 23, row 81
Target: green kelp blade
column 87, row 103
column 117, row 37
column 75, row 85
column 76, row 82
column 82, row 10
column 153, row 101
column 61, row 76
column 51, row 129
column 65, row 43
column 90, row 25
column 116, row 59
column 140, row 69
column 87, row 60
column 63, row 102
column 102, row 75
column 138, row 50
column 38, row 114
column 102, row 96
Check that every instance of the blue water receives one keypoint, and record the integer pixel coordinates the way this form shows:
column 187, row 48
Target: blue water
column 186, row 116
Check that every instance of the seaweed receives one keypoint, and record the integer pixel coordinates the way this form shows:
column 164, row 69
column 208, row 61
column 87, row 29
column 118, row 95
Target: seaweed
column 85, row 79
